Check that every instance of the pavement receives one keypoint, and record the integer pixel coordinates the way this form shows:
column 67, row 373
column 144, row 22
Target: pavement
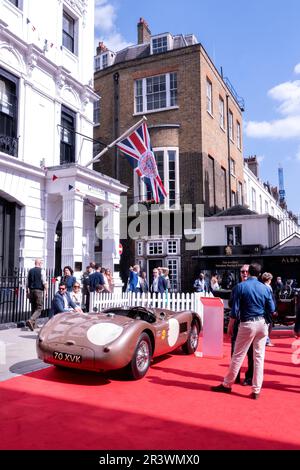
column 18, row 353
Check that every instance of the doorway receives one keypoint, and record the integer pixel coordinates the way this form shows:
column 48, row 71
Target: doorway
column 153, row 263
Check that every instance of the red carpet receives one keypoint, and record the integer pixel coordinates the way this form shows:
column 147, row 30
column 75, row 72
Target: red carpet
column 171, row 408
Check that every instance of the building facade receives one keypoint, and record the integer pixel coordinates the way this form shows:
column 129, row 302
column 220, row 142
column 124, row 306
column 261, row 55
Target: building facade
column 195, row 122
column 48, row 199
column 263, row 198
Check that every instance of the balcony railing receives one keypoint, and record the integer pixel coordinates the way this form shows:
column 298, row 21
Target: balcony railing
column 9, row 145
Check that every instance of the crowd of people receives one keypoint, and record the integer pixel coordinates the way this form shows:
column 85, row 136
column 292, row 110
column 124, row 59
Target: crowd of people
column 138, row 283
column 73, row 294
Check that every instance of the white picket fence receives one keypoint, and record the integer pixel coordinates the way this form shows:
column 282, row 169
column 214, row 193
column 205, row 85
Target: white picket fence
column 175, row 301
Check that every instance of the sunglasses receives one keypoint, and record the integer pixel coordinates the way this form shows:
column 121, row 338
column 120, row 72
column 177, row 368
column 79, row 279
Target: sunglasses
column 77, row 287
column 244, row 272
column 62, row 288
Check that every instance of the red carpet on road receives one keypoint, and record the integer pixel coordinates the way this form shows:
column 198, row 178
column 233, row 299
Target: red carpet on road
column 171, row 408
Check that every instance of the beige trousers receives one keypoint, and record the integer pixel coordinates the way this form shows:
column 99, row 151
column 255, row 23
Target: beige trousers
column 250, row 331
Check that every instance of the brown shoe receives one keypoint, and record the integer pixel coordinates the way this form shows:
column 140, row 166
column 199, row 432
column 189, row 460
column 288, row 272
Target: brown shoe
column 30, row 325
column 254, row 396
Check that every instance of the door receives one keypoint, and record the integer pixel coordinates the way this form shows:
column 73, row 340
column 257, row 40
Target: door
column 153, row 263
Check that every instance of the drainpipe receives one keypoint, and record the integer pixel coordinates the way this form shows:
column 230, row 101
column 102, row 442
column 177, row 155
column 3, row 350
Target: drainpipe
column 228, row 150
column 116, row 120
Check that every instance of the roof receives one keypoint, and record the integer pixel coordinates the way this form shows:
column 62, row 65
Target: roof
column 236, row 210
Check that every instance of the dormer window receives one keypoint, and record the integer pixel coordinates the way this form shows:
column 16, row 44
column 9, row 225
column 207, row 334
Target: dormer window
column 104, row 60
column 161, row 43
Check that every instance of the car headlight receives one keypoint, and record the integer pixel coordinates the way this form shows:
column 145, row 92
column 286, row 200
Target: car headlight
column 103, row 333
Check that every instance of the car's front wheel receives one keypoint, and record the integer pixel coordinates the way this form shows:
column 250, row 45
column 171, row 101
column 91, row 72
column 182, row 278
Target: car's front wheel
column 141, row 359
column 190, row 346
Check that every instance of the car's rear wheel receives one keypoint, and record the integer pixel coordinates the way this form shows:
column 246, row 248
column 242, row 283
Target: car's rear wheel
column 190, row 346
column 141, row 359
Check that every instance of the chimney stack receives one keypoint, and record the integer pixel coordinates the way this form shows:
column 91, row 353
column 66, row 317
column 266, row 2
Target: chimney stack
column 101, row 48
column 253, row 165
column 144, row 33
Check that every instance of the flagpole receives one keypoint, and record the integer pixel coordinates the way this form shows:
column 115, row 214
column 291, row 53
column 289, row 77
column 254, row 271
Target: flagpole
column 99, row 155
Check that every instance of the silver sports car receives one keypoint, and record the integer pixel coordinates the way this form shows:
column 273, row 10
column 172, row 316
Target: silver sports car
column 117, row 338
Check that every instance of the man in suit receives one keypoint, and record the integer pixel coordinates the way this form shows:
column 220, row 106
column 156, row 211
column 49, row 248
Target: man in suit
column 134, row 279
column 62, row 301
column 159, row 284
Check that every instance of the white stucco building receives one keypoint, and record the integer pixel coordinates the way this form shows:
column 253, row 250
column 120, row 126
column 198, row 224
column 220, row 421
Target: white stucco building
column 259, row 198
column 48, row 198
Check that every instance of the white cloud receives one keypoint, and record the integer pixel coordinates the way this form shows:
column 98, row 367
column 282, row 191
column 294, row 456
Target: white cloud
column 286, row 128
column 105, row 26
column 288, row 96
column 260, row 158
column 297, row 68
column 105, row 15
column 298, row 154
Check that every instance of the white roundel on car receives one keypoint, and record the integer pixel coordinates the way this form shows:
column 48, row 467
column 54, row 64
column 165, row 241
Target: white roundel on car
column 173, row 332
column 103, row 333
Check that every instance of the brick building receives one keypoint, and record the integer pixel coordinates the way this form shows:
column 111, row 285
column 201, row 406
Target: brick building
column 195, row 123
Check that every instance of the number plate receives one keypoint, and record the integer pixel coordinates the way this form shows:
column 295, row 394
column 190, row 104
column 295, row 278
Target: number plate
column 67, row 357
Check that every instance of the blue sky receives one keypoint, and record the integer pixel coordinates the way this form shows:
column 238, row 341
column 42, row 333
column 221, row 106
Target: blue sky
column 257, row 43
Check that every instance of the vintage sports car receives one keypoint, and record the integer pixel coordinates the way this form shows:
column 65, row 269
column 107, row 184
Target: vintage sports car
column 117, row 338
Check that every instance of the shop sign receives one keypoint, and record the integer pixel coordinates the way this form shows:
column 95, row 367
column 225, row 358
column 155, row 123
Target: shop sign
column 290, row 259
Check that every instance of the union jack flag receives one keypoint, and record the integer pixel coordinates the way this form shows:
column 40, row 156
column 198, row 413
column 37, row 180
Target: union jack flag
column 137, row 146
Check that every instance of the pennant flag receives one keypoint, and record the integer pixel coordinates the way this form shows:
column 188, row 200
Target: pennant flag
column 137, row 146
column 70, row 187
column 54, row 178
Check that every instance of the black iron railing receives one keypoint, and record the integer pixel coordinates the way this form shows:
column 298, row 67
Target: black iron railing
column 14, row 304
column 9, row 145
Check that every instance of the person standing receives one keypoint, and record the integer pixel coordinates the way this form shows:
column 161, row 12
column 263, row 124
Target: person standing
column 144, row 282
column 68, row 278
column 199, row 284
column 253, row 304
column 36, row 288
column 134, row 279
column 244, row 272
column 159, row 283
column 266, row 278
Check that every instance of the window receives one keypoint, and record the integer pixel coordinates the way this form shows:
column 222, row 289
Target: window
column 266, row 207
column 240, row 193
column 232, row 166
column 159, row 44
column 221, row 113
column 260, row 204
column 139, row 248
column 230, row 125
column 97, row 63
column 96, row 113
column 253, row 199
column 209, row 106
column 155, row 93
column 238, row 135
column 104, row 61
column 233, row 198
column 168, row 170
column 8, row 113
column 172, row 265
column 67, row 139
column 155, row 248
column 234, row 235
column 68, row 32
column 172, row 247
